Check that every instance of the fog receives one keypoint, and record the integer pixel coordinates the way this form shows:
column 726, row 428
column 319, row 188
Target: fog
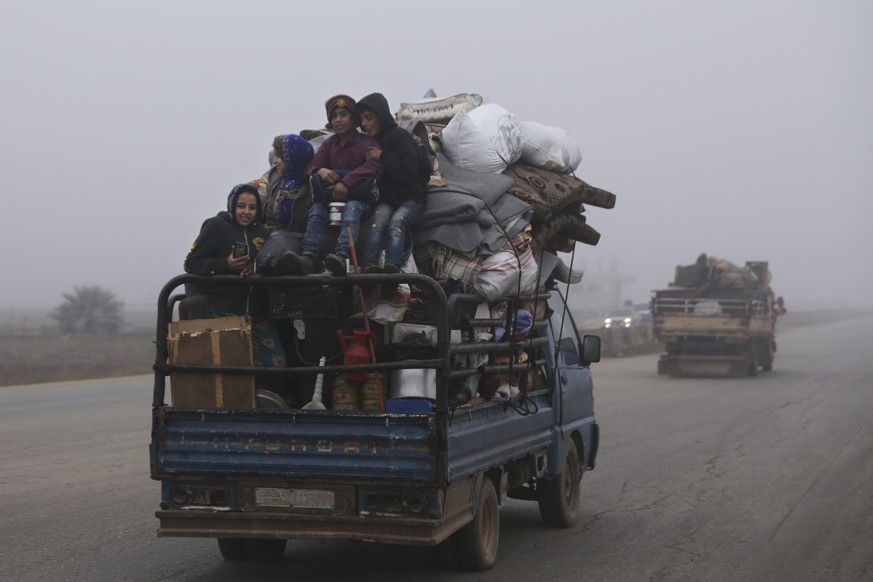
column 740, row 129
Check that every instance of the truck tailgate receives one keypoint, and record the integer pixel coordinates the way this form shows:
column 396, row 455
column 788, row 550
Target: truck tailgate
column 669, row 326
column 294, row 443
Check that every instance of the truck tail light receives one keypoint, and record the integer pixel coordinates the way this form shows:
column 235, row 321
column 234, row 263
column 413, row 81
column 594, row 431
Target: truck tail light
column 397, row 503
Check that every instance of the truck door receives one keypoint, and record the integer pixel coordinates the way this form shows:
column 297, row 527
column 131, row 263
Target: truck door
column 572, row 378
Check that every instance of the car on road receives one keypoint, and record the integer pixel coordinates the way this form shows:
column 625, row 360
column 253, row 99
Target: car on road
column 623, row 317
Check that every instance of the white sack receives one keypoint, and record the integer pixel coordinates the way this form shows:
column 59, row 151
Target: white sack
column 500, row 274
column 549, row 148
column 484, row 140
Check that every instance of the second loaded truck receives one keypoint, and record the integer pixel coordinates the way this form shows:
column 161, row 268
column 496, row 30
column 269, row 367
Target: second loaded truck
column 716, row 319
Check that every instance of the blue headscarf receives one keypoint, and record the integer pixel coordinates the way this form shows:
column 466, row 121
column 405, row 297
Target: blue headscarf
column 296, row 152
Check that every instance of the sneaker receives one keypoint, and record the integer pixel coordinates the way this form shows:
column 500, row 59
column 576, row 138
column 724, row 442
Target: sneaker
column 390, row 269
column 296, row 264
column 336, row 264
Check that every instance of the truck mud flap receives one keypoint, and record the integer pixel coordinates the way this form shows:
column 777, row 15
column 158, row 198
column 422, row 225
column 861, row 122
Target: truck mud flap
column 595, row 446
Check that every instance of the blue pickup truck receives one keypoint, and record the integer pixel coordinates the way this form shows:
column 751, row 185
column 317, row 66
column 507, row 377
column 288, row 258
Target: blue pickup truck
column 429, row 471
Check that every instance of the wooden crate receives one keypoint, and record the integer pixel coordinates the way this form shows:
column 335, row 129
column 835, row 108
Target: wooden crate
column 220, row 341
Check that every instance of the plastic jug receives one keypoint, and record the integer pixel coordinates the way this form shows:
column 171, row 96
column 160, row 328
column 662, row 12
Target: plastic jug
column 355, row 351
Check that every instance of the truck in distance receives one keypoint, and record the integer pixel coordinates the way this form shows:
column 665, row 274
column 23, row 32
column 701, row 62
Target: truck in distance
column 716, row 319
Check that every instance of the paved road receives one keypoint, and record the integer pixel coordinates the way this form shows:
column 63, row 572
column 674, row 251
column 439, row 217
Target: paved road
column 766, row 478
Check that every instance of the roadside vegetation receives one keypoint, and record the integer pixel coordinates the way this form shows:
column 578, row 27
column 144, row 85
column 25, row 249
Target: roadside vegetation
column 625, row 342
column 86, row 342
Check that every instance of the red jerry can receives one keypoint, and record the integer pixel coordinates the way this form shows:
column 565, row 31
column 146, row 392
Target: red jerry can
column 355, row 351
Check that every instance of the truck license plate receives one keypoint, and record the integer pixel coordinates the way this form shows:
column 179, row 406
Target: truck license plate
column 299, row 498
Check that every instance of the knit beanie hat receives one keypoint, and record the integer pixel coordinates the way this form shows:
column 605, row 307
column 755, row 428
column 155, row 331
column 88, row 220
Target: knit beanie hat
column 343, row 101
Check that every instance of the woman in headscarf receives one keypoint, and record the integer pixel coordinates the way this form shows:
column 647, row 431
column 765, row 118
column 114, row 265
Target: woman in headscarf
column 284, row 190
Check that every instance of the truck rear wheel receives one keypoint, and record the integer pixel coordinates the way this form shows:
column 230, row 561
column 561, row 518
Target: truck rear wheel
column 767, row 364
column 752, row 354
column 240, row 549
column 477, row 542
column 266, row 549
column 233, row 549
column 559, row 497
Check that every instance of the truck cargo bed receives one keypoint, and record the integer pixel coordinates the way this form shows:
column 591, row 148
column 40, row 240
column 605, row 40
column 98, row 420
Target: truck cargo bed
column 398, row 474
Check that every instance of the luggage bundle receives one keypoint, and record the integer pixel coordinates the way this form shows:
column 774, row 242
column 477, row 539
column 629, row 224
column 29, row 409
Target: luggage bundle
column 499, row 178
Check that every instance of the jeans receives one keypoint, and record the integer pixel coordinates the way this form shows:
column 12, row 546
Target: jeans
column 316, row 226
column 394, row 225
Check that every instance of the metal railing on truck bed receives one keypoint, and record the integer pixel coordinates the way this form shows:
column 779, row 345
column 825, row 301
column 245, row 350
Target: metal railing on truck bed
column 186, row 440
column 710, row 306
column 446, row 311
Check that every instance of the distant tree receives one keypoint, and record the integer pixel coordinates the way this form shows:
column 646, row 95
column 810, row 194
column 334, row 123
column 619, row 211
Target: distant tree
column 90, row 310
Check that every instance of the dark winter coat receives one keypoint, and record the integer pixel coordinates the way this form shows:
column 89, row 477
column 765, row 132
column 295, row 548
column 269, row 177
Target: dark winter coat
column 208, row 256
column 405, row 165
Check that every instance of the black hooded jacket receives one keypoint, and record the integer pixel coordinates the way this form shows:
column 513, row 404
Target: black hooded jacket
column 208, row 254
column 405, row 165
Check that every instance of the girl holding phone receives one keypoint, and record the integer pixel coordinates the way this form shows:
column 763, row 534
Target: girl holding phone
column 228, row 244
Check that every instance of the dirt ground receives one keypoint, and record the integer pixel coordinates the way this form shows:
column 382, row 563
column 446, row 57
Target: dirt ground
column 48, row 357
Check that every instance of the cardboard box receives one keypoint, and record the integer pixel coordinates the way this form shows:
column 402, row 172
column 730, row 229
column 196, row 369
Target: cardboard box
column 220, row 341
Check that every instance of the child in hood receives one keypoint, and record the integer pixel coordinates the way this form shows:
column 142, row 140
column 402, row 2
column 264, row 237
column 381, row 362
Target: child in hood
column 406, row 170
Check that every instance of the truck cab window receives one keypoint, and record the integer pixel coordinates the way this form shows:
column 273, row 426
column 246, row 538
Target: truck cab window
column 566, row 338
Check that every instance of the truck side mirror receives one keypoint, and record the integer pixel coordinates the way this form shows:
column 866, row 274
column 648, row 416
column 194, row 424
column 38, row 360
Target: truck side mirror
column 590, row 349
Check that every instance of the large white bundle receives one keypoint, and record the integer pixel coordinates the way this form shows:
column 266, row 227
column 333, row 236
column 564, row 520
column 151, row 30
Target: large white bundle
column 502, row 276
column 549, row 148
column 484, row 140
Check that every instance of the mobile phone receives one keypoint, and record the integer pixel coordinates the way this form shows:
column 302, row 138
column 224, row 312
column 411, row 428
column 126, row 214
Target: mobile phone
column 240, row 250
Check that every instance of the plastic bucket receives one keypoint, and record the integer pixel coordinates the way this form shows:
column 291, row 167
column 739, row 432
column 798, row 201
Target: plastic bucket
column 413, row 383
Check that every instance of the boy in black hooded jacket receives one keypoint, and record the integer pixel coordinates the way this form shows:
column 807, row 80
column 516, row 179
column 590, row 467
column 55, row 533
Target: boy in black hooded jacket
column 403, row 186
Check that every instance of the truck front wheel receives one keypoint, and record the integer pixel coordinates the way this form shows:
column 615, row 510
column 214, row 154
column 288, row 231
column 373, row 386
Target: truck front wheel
column 559, row 497
column 476, row 543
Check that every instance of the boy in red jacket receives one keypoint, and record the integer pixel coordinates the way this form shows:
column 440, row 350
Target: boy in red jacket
column 342, row 172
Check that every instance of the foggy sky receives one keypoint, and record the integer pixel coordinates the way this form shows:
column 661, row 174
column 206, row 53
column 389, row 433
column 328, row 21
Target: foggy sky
column 737, row 128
